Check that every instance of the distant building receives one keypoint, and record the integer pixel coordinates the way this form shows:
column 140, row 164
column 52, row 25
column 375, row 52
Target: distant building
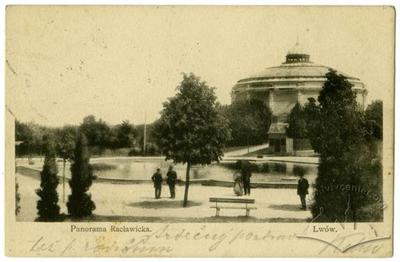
column 281, row 87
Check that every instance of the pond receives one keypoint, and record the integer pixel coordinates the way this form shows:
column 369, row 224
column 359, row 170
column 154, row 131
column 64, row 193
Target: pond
column 142, row 169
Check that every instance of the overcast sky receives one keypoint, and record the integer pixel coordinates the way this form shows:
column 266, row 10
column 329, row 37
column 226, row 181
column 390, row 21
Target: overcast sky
column 118, row 62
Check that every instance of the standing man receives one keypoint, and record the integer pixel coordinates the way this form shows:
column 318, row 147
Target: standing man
column 157, row 180
column 302, row 190
column 246, row 174
column 171, row 181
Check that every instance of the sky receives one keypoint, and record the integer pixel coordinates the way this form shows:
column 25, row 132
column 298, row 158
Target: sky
column 122, row 63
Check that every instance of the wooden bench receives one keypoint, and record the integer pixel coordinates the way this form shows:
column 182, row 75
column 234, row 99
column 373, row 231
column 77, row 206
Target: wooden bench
column 244, row 201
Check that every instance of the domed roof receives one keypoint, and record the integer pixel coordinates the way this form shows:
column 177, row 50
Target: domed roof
column 297, row 65
column 293, row 70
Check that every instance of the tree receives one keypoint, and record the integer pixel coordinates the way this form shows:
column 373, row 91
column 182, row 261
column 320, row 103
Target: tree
column 125, row 134
column 48, row 209
column 247, row 119
column 297, row 123
column 312, row 116
column 190, row 129
column 65, row 141
column 79, row 202
column 24, row 134
column 98, row 133
column 65, row 145
column 31, row 135
column 349, row 165
column 373, row 117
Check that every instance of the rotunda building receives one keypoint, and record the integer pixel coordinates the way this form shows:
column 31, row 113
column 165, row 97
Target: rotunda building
column 281, row 87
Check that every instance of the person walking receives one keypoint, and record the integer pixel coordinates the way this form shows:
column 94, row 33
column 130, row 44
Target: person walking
column 237, row 184
column 246, row 175
column 302, row 190
column 171, row 180
column 157, row 181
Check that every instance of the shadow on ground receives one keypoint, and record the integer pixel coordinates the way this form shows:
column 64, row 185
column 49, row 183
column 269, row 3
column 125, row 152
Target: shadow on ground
column 286, row 207
column 163, row 204
column 213, row 219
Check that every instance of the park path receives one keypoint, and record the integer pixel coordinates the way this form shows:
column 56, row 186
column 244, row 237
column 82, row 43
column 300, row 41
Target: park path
column 246, row 150
column 137, row 200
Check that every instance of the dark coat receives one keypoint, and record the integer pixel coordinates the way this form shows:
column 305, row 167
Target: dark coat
column 246, row 176
column 171, row 177
column 157, row 179
column 302, row 186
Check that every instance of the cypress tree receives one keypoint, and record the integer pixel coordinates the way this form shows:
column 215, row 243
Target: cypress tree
column 79, row 202
column 17, row 198
column 297, row 123
column 48, row 209
column 349, row 171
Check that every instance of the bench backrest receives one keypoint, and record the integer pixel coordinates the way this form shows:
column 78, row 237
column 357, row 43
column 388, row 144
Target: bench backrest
column 232, row 200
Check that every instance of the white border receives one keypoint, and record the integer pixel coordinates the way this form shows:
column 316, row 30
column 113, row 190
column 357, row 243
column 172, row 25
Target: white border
column 193, row 2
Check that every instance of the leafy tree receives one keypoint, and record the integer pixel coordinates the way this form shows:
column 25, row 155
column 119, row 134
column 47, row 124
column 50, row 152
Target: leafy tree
column 190, row 129
column 22, row 131
column 125, row 134
column 79, row 202
column 48, row 209
column 97, row 132
column 40, row 135
column 349, row 165
column 65, row 141
column 373, row 117
column 24, row 134
column 297, row 128
column 247, row 119
column 32, row 137
column 100, row 137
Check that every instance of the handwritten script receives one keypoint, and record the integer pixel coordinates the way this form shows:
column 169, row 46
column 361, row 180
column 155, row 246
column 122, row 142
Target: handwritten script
column 161, row 242
column 345, row 237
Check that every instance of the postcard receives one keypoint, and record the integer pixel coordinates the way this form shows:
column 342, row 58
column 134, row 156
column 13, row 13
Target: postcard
column 199, row 131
